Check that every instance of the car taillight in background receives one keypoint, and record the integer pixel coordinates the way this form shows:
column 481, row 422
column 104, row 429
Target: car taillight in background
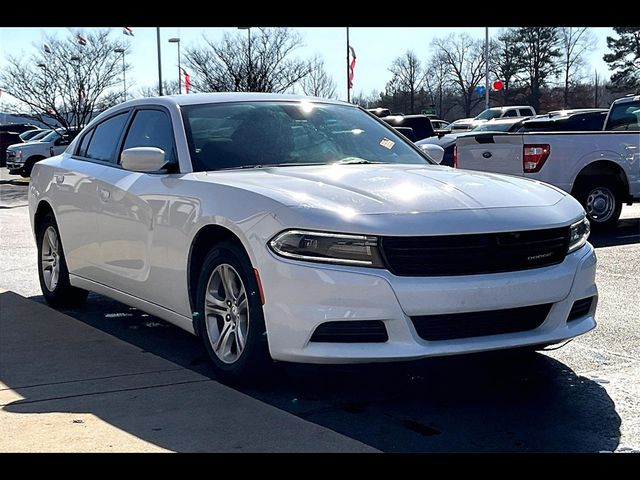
column 534, row 156
column 455, row 156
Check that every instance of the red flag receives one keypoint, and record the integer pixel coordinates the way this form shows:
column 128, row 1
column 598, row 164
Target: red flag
column 185, row 81
column 352, row 65
column 81, row 39
column 127, row 31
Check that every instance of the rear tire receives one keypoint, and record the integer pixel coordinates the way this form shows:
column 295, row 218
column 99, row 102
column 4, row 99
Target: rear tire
column 602, row 200
column 230, row 318
column 52, row 267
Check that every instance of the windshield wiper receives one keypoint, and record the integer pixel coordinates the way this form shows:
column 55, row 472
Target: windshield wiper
column 354, row 161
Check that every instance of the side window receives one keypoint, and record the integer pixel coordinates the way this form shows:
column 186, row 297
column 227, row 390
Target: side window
column 84, row 143
column 526, row 112
column 624, row 116
column 510, row 113
column 152, row 128
column 104, row 140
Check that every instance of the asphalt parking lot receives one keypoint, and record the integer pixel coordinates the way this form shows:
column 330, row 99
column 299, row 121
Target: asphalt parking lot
column 584, row 397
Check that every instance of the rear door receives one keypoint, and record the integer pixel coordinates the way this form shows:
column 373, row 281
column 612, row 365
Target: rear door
column 491, row 152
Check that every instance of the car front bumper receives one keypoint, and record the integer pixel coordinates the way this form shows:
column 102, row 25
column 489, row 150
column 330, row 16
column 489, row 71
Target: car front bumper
column 300, row 296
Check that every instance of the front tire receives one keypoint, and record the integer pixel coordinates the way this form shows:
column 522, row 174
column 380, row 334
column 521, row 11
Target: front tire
column 52, row 267
column 602, row 200
column 230, row 319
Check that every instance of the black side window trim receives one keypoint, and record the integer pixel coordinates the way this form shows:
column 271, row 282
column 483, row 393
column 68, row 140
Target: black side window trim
column 77, row 155
column 127, row 127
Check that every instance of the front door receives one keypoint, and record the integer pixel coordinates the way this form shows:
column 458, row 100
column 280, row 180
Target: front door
column 135, row 206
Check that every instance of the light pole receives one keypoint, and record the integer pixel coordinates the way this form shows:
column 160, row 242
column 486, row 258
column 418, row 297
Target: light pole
column 177, row 41
column 249, row 69
column 159, row 62
column 76, row 58
column 124, row 75
column 486, row 72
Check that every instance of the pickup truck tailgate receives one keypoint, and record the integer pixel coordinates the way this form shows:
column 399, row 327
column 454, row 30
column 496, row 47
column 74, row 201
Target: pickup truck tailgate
column 498, row 153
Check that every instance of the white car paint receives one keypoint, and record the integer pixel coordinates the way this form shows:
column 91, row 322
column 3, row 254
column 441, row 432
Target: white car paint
column 128, row 235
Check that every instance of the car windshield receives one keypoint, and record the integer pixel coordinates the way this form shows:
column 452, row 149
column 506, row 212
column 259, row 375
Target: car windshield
column 250, row 134
column 51, row 137
column 493, row 127
column 489, row 114
column 40, row 136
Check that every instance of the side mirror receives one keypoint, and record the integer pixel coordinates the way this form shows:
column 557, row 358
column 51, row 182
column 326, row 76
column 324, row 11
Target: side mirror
column 62, row 141
column 434, row 152
column 143, row 159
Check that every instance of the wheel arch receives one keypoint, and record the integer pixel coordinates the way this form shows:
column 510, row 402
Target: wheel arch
column 43, row 208
column 600, row 168
column 203, row 240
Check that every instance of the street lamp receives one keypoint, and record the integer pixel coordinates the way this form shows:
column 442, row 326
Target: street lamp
column 124, row 75
column 249, row 69
column 177, row 41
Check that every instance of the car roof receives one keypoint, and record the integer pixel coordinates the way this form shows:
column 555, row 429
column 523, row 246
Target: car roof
column 225, row 97
column 561, row 117
column 510, row 106
column 627, row 98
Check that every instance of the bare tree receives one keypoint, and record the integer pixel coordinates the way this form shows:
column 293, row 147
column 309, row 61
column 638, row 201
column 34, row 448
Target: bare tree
column 505, row 61
column 169, row 87
column 67, row 81
column 232, row 64
column 318, row 83
column 540, row 54
column 438, row 81
column 463, row 60
column 408, row 76
column 576, row 43
column 372, row 100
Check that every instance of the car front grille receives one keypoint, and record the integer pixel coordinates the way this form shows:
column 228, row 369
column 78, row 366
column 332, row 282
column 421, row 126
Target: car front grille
column 451, row 326
column 446, row 255
column 10, row 155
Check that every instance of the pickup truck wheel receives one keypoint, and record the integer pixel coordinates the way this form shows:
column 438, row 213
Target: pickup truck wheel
column 52, row 267
column 28, row 166
column 230, row 319
column 602, row 202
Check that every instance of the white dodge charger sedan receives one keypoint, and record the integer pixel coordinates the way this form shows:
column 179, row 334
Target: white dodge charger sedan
column 307, row 230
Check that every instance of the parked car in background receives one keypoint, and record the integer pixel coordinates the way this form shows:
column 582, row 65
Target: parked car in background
column 601, row 169
column 582, row 120
column 448, row 141
column 297, row 229
column 39, row 135
column 22, row 157
column 30, row 134
column 6, row 139
column 379, row 111
column 420, row 124
column 440, row 126
column 492, row 114
column 17, row 127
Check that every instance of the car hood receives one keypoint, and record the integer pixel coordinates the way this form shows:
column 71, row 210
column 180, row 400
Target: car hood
column 388, row 189
column 28, row 145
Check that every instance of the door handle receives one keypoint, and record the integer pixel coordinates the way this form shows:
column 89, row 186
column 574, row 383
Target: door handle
column 104, row 194
column 59, row 178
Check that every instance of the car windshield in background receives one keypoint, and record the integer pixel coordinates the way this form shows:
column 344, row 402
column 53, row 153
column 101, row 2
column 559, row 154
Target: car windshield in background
column 51, row 137
column 494, row 127
column 489, row 114
column 248, row 134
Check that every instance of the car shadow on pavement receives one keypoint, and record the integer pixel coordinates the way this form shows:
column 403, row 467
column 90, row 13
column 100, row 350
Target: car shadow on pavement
column 492, row 402
column 627, row 231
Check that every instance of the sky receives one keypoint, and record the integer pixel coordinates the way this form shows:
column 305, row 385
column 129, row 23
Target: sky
column 375, row 49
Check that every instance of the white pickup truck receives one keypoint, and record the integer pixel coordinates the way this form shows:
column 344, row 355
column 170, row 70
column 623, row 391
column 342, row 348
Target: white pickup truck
column 600, row 169
column 21, row 157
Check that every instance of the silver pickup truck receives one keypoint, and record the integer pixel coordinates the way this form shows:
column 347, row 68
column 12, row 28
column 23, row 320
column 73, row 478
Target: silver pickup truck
column 600, row 169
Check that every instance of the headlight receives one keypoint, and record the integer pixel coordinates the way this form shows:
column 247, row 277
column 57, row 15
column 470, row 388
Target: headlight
column 324, row 247
column 17, row 155
column 579, row 232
